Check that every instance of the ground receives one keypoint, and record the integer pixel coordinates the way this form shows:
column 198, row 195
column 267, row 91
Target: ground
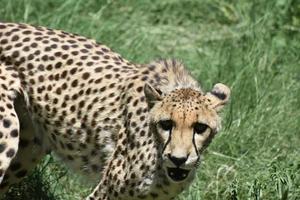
column 252, row 46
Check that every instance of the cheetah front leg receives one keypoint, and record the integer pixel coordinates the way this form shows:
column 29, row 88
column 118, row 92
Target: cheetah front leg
column 112, row 174
column 103, row 190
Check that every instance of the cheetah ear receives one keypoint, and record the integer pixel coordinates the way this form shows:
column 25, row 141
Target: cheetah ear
column 219, row 96
column 152, row 95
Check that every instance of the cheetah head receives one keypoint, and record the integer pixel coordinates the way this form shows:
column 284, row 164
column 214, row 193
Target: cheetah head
column 185, row 121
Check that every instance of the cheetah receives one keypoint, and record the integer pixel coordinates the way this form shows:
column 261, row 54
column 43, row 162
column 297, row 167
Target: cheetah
column 136, row 130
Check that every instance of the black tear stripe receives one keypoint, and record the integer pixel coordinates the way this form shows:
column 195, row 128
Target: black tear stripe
column 221, row 96
column 184, row 116
column 169, row 138
column 194, row 143
column 168, row 141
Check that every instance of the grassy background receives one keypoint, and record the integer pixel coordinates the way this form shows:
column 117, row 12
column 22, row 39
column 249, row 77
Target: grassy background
column 253, row 46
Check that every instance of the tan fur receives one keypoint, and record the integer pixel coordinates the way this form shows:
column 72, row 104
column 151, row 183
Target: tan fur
column 99, row 113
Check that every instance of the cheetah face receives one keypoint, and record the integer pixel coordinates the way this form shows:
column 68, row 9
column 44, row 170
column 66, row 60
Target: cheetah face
column 185, row 121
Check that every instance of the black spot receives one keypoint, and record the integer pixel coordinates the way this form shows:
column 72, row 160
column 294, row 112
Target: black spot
column 65, row 56
column 27, row 39
column 14, row 133
column 6, row 123
column 75, row 53
column 34, row 45
column 15, row 54
column 140, row 89
column 4, row 41
column 70, row 62
column 85, row 75
column 10, row 153
column 88, row 46
column 89, row 63
column 74, row 83
column 98, row 69
column 9, row 106
column 58, row 65
column 73, row 71
column 14, row 38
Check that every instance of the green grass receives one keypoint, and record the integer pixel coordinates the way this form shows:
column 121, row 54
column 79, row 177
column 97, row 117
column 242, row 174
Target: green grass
column 253, row 46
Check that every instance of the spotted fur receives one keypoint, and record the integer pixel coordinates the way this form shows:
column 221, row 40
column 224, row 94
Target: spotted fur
column 101, row 114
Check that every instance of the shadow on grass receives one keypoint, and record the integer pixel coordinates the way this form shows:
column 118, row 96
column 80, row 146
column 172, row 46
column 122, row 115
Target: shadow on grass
column 38, row 185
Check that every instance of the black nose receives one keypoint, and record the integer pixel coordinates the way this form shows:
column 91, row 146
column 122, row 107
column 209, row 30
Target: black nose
column 177, row 161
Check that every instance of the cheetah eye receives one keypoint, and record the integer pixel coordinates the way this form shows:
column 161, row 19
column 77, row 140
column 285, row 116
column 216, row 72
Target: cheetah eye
column 200, row 128
column 166, row 125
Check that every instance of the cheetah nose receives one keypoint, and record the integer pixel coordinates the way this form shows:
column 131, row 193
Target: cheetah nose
column 177, row 161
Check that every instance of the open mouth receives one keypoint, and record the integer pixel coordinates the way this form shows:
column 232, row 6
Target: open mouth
column 177, row 174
